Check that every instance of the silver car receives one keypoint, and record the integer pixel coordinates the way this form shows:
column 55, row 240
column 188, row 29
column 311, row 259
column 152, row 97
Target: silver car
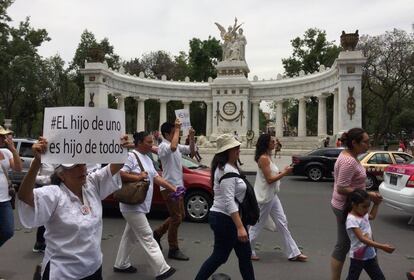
column 24, row 147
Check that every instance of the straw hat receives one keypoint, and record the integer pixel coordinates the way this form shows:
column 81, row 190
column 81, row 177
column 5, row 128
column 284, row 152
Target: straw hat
column 226, row 142
column 4, row 131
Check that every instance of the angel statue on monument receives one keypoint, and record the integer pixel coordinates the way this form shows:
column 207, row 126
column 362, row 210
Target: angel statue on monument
column 233, row 42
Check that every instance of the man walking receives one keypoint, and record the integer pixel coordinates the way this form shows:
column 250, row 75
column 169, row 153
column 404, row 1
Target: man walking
column 169, row 152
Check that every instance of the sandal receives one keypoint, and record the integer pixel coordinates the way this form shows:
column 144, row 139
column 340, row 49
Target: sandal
column 254, row 258
column 299, row 258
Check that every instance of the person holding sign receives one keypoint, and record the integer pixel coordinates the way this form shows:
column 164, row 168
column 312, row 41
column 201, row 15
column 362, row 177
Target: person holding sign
column 169, row 152
column 71, row 211
column 137, row 228
column 9, row 159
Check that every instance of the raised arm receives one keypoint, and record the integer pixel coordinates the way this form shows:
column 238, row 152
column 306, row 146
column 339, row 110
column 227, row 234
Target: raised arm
column 25, row 193
column 115, row 167
column 176, row 136
column 191, row 133
column 16, row 162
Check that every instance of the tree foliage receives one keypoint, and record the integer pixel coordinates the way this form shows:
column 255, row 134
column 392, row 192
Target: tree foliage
column 310, row 52
column 388, row 80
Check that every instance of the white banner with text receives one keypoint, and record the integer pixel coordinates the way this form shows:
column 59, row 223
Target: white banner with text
column 84, row 135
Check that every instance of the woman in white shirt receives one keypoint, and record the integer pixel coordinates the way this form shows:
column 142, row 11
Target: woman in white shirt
column 137, row 229
column 224, row 218
column 266, row 188
column 71, row 212
column 9, row 159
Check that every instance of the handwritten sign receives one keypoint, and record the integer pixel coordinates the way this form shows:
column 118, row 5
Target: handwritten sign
column 184, row 116
column 84, row 135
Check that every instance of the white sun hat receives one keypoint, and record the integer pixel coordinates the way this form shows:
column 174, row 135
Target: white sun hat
column 226, row 142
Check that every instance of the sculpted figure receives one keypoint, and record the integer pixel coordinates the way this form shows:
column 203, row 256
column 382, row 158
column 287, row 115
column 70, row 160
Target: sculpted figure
column 233, row 46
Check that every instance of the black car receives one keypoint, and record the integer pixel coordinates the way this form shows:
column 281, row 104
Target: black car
column 316, row 164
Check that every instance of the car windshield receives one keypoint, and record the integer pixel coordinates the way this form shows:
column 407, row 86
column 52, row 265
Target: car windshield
column 411, row 162
column 361, row 156
column 191, row 164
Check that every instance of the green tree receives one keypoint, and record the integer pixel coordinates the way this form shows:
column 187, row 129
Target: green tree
column 388, row 80
column 310, row 52
column 202, row 58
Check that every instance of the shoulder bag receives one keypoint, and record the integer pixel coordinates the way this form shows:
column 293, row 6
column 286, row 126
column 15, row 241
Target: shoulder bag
column 133, row 192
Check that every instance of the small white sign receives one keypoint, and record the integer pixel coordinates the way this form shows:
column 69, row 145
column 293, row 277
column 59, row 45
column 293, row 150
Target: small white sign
column 84, row 135
column 184, row 116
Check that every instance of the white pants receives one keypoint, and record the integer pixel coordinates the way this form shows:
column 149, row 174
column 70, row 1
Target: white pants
column 137, row 229
column 275, row 209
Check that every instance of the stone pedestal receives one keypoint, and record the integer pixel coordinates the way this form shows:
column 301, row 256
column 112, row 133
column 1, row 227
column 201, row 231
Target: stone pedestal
column 231, row 106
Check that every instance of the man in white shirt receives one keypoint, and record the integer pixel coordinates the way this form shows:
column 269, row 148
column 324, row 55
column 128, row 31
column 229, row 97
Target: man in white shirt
column 170, row 152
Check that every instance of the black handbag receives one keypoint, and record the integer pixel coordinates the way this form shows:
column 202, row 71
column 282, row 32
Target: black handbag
column 133, row 192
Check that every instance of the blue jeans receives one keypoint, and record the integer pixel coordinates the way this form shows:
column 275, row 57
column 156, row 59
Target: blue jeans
column 6, row 222
column 370, row 266
column 225, row 240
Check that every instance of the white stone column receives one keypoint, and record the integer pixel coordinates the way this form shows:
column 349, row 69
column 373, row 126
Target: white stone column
column 186, row 104
column 302, row 117
column 350, row 65
column 255, row 116
column 322, row 131
column 141, row 114
column 279, row 118
column 209, row 117
column 335, row 112
column 121, row 102
column 163, row 111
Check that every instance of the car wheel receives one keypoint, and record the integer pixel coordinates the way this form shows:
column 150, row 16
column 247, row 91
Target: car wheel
column 371, row 182
column 197, row 205
column 314, row 173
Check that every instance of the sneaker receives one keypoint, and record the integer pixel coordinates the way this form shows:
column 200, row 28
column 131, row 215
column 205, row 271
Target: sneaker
column 158, row 239
column 39, row 247
column 129, row 269
column 176, row 254
column 166, row 274
column 410, row 275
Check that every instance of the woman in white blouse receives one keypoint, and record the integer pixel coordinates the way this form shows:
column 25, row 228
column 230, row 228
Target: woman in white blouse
column 224, row 218
column 9, row 159
column 71, row 211
column 266, row 188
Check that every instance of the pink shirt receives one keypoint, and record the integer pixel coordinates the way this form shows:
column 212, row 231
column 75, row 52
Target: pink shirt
column 348, row 172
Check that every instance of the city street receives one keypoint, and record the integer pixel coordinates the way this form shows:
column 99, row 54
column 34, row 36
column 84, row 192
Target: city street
column 310, row 220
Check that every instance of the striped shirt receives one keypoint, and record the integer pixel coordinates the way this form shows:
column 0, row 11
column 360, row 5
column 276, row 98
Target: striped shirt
column 348, row 172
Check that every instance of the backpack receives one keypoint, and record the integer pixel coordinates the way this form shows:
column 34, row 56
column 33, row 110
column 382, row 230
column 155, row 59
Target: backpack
column 248, row 208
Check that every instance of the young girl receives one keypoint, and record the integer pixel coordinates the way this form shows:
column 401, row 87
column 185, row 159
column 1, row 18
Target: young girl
column 362, row 252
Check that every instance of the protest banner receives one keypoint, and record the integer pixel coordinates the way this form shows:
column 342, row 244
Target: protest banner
column 184, row 116
column 84, row 135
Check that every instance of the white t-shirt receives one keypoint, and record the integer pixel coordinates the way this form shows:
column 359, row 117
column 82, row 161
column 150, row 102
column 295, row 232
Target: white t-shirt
column 172, row 166
column 132, row 166
column 4, row 185
column 73, row 234
column 359, row 250
column 227, row 190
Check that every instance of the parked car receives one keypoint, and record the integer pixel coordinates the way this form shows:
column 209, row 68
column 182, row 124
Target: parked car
column 317, row 164
column 397, row 189
column 199, row 193
column 375, row 163
column 24, row 147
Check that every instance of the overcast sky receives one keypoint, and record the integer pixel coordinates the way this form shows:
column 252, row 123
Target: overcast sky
column 135, row 27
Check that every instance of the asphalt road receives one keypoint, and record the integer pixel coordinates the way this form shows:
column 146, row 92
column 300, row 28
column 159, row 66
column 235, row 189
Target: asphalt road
column 310, row 220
